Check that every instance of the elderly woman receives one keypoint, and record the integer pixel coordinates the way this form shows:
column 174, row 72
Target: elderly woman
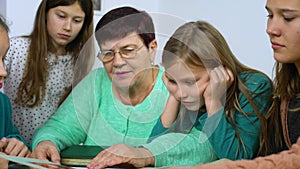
column 122, row 102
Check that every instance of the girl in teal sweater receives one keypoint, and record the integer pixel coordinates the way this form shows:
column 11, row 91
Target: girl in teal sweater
column 11, row 142
column 216, row 93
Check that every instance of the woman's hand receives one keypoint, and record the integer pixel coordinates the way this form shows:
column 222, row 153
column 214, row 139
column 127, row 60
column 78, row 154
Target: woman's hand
column 122, row 154
column 221, row 79
column 14, row 147
column 46, row 150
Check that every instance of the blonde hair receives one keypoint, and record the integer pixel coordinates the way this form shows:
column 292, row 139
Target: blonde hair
column 199, row 44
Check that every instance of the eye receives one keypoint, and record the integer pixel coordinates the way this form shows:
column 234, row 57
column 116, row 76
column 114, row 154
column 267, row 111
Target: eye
column 190, row 82
column 172, row 81
column 61, row 15
column 127, row 50
column 78, row 20
column 288, row 18
column 270, row 16
column 269, row 13
column 107, row 53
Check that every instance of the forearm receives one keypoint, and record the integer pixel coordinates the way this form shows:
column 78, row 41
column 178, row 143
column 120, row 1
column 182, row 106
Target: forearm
column 224, row 140
column 170, row 112
column 60, row 129
column 286, row 159
column 181, row 149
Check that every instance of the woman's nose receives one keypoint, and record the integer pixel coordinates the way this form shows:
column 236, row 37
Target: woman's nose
column 273, row 28
column 3, row 72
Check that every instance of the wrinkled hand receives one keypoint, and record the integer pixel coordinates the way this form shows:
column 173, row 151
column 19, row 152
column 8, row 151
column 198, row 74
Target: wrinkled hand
column 122, row 154
column 221, row 79
column 14, row 147
column 46, row 150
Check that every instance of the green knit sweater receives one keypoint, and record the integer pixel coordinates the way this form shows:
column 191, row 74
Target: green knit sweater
column 93, row 116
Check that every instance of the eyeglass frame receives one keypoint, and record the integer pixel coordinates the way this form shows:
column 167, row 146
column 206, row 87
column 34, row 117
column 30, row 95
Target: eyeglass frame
column 120, row 53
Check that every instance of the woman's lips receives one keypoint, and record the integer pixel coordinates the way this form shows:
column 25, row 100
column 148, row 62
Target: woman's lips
column 276, row 46
column 121, row 74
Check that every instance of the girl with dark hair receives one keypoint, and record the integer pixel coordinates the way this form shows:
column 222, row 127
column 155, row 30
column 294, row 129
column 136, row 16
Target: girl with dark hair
column 43, row 66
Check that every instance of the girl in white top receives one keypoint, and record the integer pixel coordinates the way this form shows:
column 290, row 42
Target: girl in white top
column 41, row 67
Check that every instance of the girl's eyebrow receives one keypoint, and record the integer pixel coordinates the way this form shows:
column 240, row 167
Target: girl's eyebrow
column 62, row 11
column 283, row 9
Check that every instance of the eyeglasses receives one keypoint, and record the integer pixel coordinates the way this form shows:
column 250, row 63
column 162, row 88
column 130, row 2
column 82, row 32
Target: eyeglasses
column 125, row 53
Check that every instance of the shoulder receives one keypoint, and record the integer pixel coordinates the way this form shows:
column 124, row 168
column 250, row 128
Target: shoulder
column 96, row 76
column 18, row 40
column 18, row 46
column 4, row 101
column 17, row 54
column 256, row 81
column 3, row 98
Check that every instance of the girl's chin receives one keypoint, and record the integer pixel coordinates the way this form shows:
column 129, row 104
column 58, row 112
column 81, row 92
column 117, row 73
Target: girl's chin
column 192, row 108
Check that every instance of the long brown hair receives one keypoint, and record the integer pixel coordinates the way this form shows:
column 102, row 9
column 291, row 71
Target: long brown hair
column 33, row 85
column 287, row 87
column 199, row 44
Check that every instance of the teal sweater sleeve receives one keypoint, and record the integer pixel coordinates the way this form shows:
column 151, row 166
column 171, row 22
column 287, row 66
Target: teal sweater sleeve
column 7, row 129
column 173, row 149
column 158, row 130
column 221, row 133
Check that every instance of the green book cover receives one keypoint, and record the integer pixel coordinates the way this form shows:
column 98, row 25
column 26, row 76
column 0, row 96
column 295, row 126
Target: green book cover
column 79, row 155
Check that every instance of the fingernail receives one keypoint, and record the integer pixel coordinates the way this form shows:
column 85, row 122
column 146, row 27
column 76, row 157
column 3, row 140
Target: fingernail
column 97, row 166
